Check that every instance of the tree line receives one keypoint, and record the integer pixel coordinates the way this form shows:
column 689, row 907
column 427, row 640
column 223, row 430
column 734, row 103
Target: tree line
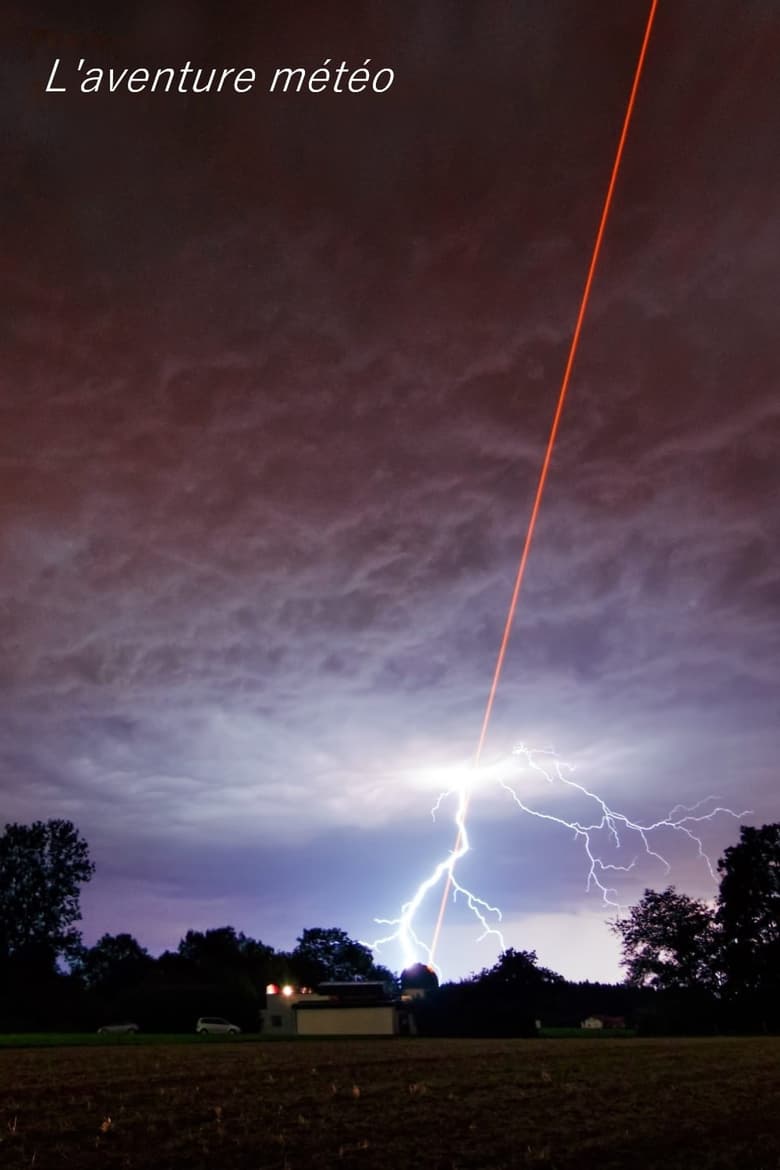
column 50, row 980
column 714, row 966
column 689, row 967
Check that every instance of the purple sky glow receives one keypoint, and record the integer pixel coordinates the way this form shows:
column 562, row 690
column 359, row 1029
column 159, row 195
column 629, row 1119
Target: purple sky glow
column 278, row 371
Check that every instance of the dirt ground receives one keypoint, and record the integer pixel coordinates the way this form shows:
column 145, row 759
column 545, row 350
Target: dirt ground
column 395, row 1103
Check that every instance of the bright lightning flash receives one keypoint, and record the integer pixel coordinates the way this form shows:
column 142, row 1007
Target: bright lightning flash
column 405, row 933
column 604, row 822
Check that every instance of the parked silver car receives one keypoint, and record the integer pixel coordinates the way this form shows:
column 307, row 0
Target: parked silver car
column 216, row 1026
column 125, row 1027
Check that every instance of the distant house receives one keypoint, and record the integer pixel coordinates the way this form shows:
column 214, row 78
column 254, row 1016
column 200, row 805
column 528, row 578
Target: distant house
column 336, row 1009
column 592, row 1022
column 604, row 1022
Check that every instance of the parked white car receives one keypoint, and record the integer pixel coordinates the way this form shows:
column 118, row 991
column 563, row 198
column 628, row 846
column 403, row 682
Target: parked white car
column 118, row 1029
column 216, row 1026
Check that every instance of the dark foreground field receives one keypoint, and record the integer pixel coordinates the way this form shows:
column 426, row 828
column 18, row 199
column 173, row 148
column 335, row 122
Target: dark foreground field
column 393, row 1104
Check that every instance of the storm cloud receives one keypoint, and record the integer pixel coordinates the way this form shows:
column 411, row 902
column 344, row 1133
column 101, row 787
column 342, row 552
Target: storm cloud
column 278, row 381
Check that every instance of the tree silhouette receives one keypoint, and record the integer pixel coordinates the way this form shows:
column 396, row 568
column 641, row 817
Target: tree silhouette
column 749, row 915
column 669, row 942
column 329, row 953
column 519, row 971
column 115, row 962
column 42, row 867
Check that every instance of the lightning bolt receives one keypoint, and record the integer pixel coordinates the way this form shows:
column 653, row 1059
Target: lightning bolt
column 605, row 823
column 405, row 933
column 605, row 826
column 552, row 439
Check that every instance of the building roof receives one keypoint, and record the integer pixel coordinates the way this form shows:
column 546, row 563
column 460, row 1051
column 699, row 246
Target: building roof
column 330, row 1005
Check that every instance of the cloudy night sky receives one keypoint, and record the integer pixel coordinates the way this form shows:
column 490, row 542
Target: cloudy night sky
column 278, row 372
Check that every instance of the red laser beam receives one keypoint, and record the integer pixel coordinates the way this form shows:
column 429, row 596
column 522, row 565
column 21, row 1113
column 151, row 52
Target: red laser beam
column 550, row 446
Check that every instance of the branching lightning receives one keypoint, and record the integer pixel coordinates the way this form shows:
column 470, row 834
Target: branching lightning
column 552, row 438
column 405, row 932
column 605, row 827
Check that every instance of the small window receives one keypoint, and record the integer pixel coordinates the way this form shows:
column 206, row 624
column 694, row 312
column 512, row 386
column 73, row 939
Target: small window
column 276, row 1021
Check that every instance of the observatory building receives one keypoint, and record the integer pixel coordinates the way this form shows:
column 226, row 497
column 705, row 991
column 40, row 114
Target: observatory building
column 337, row 1009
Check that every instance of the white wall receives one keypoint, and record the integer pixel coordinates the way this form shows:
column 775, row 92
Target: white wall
column 354, row 1021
